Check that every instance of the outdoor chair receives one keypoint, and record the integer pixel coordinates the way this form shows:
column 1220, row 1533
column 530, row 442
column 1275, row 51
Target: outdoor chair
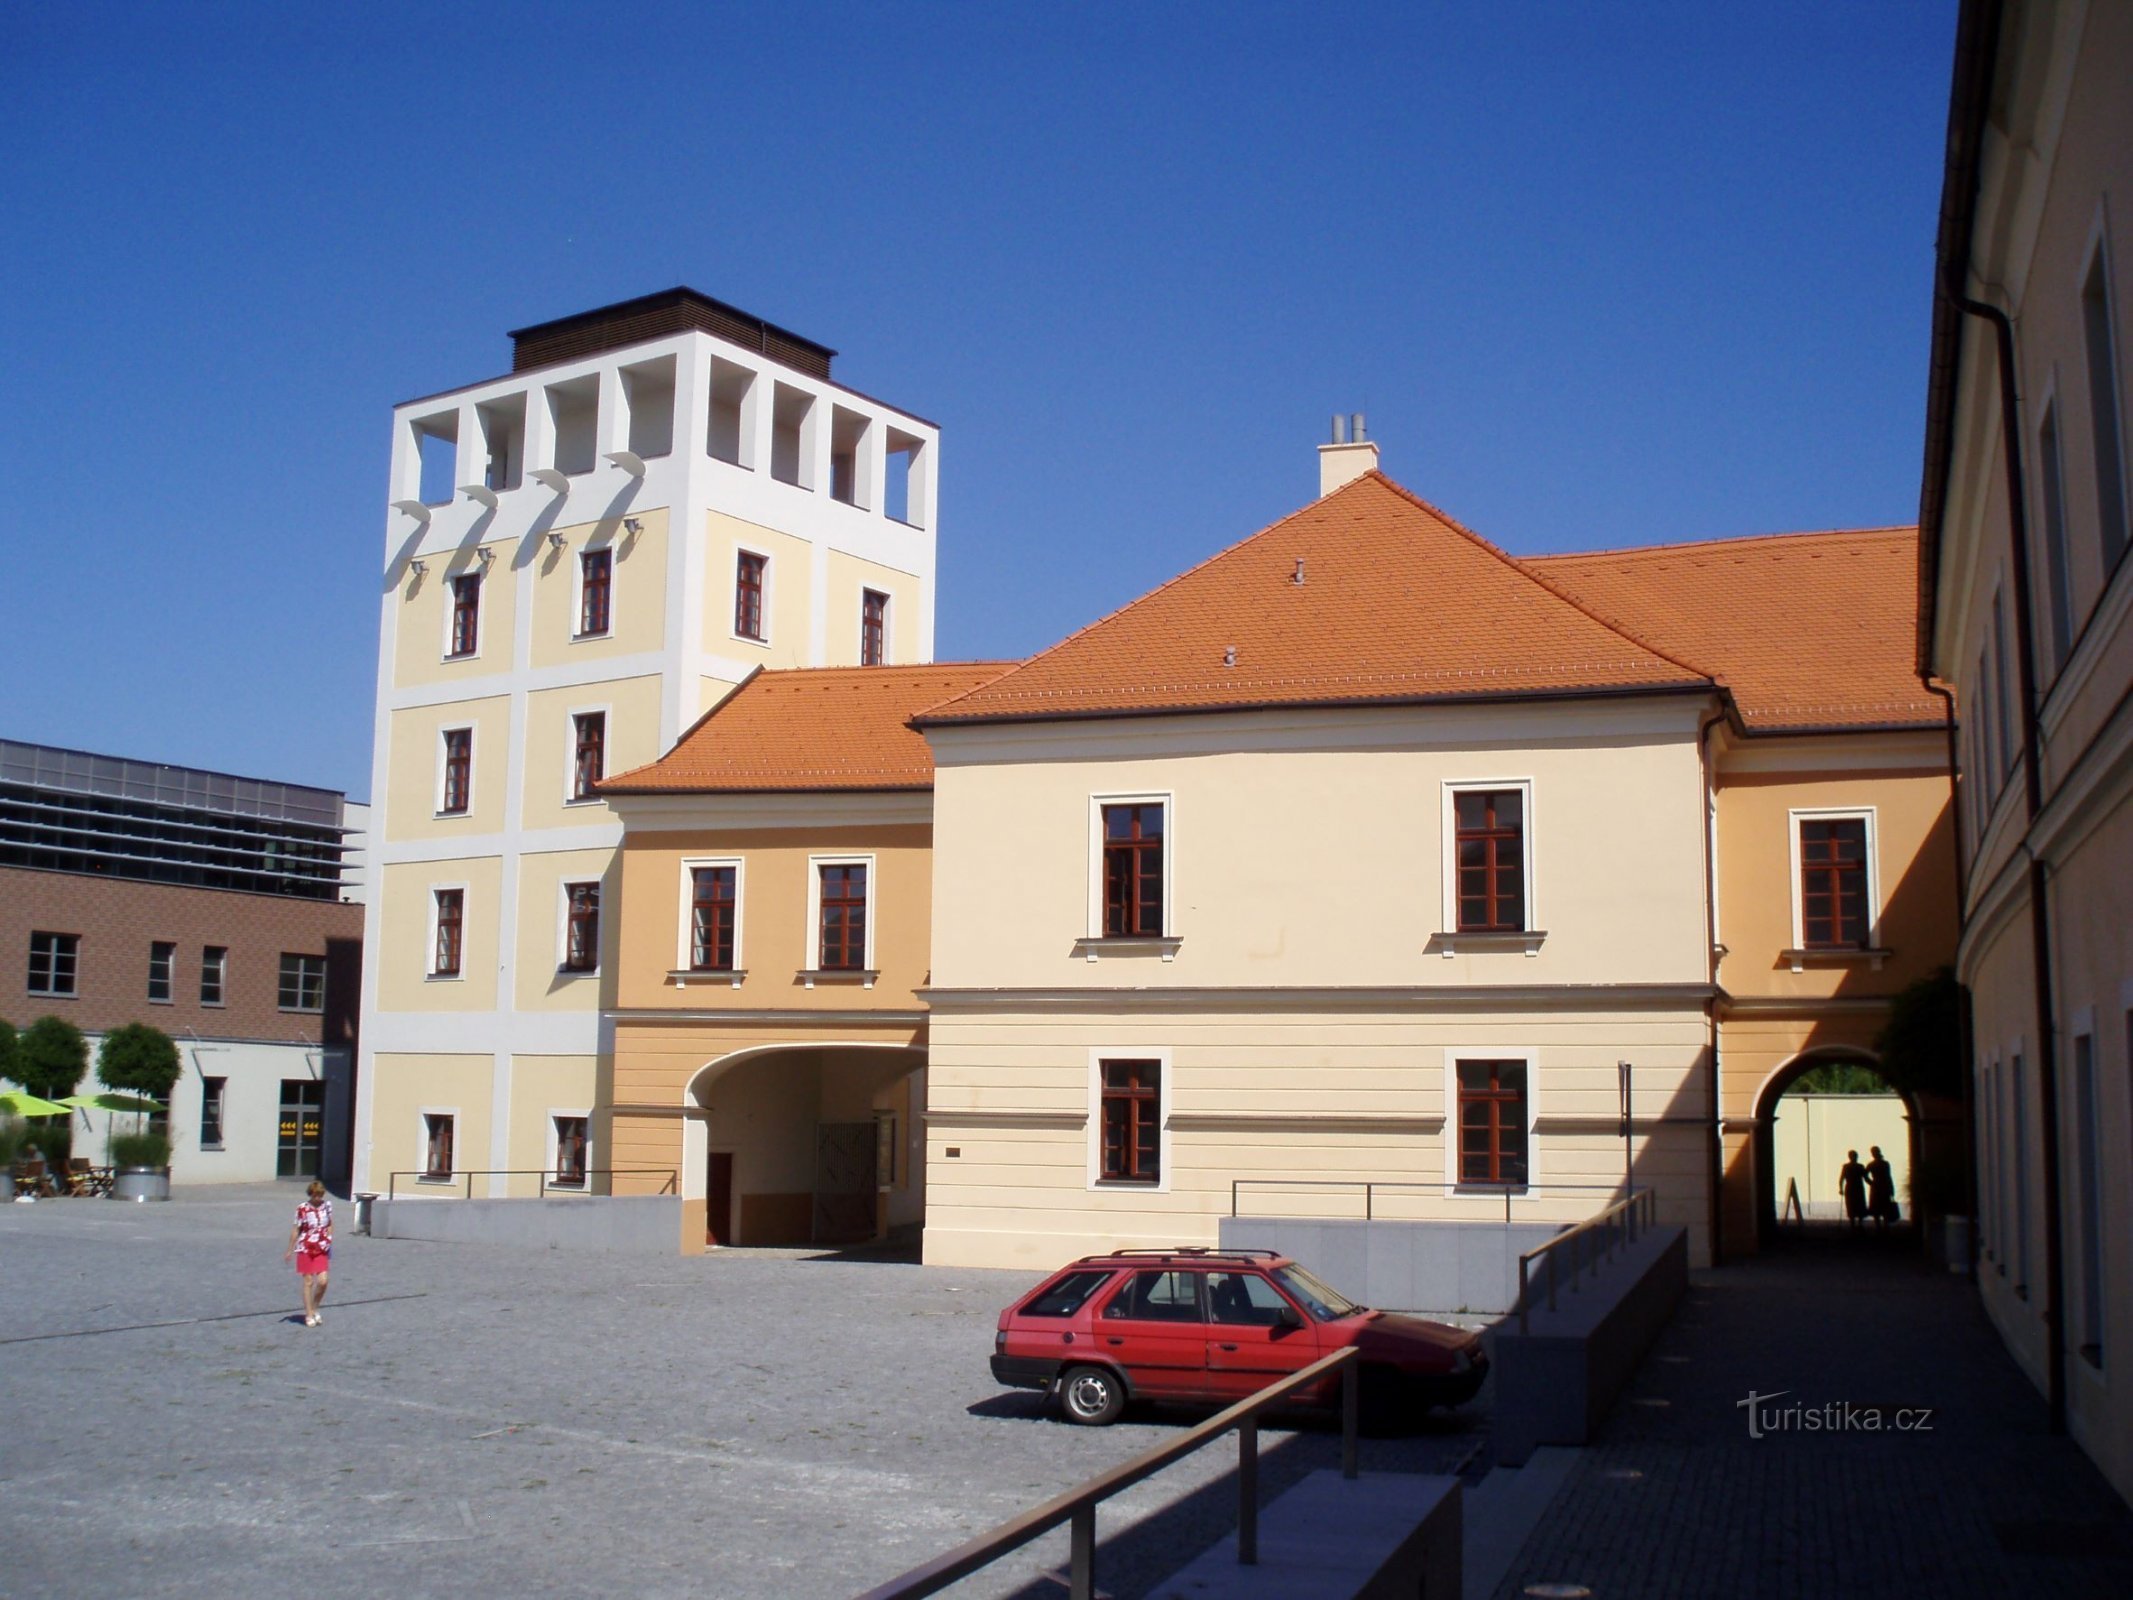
column 31, row 1177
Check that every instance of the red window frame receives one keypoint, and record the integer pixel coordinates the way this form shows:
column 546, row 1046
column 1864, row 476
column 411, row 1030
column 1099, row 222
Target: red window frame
column 1834, row 913
column 1132, row 1149
column 596, row 576
column 466, row 613
column 458, row 771
column 581, row 939
column 748, row 594
column 1490, row 860
column 843, row 916
column 589, row 757
column 873, row 627
column 713, row 903
column 1133, row 870
column 451, row 924
column 1493, row 1134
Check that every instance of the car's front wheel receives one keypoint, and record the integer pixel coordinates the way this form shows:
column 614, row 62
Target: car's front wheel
column 1092, row 1396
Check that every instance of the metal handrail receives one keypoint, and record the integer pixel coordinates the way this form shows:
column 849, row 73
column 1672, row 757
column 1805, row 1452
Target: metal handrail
column 547, row 1177
column 1620, row 1223
column 1370, row 1188
column 1078, row 1505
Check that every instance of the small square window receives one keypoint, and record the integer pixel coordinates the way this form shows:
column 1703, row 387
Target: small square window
column 54, row 962
column 303, row 983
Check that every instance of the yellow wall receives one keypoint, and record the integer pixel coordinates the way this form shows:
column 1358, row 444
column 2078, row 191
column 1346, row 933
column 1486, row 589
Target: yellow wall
column 403, row 1086
column 403, row 961
column 425, row 616
column 542, row 985
column 632, row 706
column 637, row 615
column 416, row 766
column 786, row 601
column 848, row 576
column 541, row 1086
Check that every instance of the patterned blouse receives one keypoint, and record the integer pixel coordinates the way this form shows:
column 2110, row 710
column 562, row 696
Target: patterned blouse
column 314, row 1228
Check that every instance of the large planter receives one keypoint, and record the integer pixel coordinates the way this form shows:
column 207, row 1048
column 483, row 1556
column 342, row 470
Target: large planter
column 141, row 1183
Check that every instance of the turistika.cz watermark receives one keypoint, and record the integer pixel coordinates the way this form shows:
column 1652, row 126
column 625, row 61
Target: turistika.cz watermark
column 1766, row 1417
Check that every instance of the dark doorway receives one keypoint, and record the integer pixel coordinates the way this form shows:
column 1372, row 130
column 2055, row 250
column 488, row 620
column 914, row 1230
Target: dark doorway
column 844, row 1182
column 301, row 1132
column 718, row 1199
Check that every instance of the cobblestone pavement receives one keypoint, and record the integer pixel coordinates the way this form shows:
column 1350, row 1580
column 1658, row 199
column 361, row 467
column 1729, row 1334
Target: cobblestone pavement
column 1676, row 1499
column 474, row 1422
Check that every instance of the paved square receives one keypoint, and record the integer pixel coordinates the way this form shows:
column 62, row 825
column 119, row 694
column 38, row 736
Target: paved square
column 475, row 1422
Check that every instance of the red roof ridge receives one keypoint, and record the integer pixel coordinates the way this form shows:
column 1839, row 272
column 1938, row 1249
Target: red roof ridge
column 1531, row 576
column 1679, row 546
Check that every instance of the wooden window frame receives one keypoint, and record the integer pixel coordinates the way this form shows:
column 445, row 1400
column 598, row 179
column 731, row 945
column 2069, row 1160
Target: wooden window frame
column 1795, row 819
column 448, row 934
column 873, row 628
column 1145, row 1105
column 455, row 771
column 596, row 593
column 584, row 786
column 751, row 596
column 462, row 625
column 848, row 960
column 1492, row 836
column 1460, row 1096
column 693, row 905
column 1125, row 916
column 581, row 926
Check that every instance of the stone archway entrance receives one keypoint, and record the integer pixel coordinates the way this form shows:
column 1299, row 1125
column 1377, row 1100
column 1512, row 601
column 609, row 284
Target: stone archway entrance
column 808, row 1144
column 1802, row 1139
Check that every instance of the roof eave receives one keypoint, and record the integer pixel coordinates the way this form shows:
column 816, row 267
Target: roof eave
column 1347, row 703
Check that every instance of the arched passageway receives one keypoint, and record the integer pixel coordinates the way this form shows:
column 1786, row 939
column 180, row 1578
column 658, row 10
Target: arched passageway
column 807, row 1144
column 1811, row 1116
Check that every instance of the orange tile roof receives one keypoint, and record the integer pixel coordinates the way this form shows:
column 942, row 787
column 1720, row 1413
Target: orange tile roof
column 1806, row 630
column 1398, row 602
column 814, row 728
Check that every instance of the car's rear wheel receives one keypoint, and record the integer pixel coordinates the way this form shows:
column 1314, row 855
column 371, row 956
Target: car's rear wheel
column 1091, row 1396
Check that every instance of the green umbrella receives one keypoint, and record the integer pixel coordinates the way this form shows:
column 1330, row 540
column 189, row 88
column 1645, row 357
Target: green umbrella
column 17, row 1103
column 108, row 1102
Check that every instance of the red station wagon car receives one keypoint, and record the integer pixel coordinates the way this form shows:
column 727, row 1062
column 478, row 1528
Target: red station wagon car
column 1213, row 1326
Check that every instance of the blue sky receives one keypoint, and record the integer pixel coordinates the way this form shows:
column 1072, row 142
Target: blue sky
column 1599, row 275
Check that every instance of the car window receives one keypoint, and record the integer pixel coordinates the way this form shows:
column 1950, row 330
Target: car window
column 1068, row 1295
column 1158, row 1297
column 1245, row 1299
column 1326, row 1304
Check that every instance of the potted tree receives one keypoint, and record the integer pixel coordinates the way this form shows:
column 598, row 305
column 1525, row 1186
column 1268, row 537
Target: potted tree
column 50, row 1057
column 144, row 1060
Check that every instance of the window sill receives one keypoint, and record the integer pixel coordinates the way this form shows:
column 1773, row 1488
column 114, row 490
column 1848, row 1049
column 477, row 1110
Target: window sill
column 591, row 638
column 210, row 1149
column 863, row 976
column 1525, row 940
column 444, row 977
column 1129, row 1183
column 585, row 800
column 1095, row 949
column 165, row 1001
column 215, row 1005
column 1515, row 1191
column 577, row 972
column 682, row 977
column 301, row 1011
column 464, row 655
column 54, row 994
column 436, row 1179
column 449, row 816
column 1836, row 955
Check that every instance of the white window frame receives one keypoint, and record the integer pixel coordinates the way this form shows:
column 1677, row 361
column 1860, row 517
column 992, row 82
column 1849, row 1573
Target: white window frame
column 577, row 590
column 562, row 928
column 2088, row 1116
column 55, row 993
column 443, row 731
column 888, row 621
column 1448, row 910
column 2098, row 254
column 480, row 573
column 814, row 967
column 2051, row 471
column 422, row 1143
column 1868, row 814
column 555, row 1148
column 429, row 951
column 685, row 925
column 1165, row 1105
column 1095, row 936
column 770, row 578
column 570, row 751
column 222, row 978
column 1453, row 1055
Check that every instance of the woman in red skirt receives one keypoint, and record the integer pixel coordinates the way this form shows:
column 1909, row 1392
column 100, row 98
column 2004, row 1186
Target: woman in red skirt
column 311, row 1247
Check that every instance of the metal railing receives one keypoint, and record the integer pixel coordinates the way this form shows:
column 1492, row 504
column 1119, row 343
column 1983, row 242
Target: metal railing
column 1589, row 1244
column 434, row 1180
column 1077, row 1507
column 1458, row 1194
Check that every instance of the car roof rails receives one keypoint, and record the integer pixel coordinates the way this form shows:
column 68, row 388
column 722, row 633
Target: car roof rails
column 1193, row 1250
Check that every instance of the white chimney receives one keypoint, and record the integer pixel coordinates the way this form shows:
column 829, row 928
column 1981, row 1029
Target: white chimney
column 1348, row 457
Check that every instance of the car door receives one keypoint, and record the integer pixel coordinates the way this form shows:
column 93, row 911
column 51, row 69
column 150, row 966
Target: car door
column 1250, row 1339
column 1154, row 1328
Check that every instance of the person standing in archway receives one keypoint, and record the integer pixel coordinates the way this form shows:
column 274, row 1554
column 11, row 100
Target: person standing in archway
column 1880, row 1189
column 1851, row 1182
